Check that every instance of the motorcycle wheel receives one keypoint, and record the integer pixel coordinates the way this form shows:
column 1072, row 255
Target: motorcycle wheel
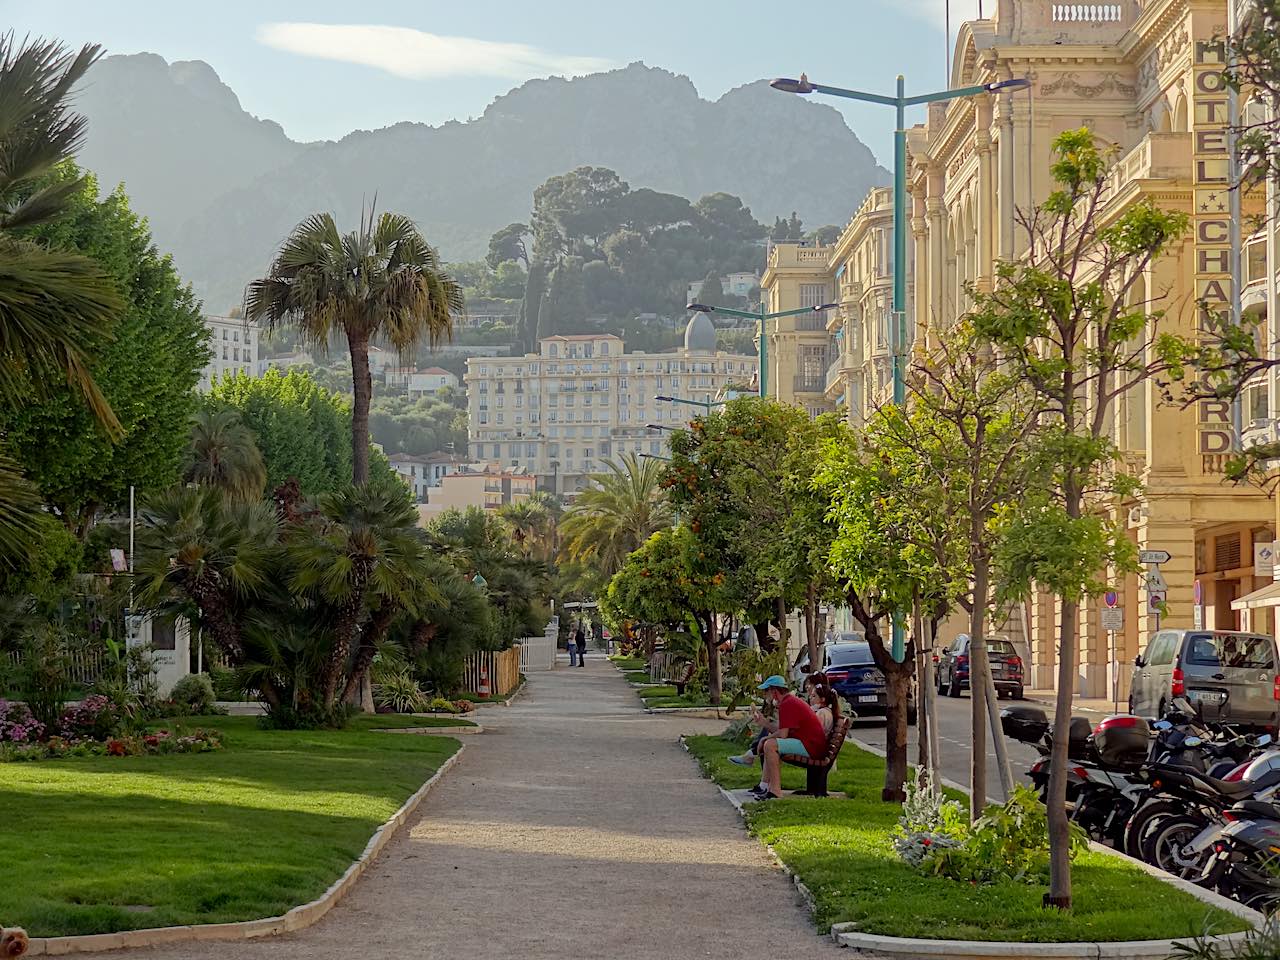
column 1140, row 825
column 1171, row 835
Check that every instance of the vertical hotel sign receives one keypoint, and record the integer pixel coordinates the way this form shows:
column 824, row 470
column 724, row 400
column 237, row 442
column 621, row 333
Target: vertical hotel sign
column 1212, row 222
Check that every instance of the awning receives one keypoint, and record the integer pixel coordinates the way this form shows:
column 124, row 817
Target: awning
column 1268, row 596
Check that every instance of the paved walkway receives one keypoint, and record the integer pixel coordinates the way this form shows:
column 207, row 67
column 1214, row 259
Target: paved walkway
column 575, row 827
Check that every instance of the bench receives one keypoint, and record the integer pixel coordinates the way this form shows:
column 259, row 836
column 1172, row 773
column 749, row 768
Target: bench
column 817, row 768
column 683, row 681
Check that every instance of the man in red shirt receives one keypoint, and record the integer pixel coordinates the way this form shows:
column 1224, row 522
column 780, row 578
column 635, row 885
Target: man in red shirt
column 799, row 733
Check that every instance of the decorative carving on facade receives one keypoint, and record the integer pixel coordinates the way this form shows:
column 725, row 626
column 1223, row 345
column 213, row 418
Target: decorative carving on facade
column 1070, row 82
column 1168, row 50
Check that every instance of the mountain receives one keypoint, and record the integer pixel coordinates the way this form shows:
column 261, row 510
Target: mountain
column 222, row 188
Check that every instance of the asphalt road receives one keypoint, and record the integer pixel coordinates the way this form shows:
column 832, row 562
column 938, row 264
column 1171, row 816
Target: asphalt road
column 955, row 736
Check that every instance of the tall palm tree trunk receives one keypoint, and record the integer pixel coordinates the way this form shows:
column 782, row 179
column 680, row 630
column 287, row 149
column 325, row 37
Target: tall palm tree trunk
column 362, row 390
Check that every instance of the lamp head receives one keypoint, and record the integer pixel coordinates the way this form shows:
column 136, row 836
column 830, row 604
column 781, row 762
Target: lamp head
column 699, row 308
column 825, row 306
column 788, row 85
column 1017, row 83
column 663, row 399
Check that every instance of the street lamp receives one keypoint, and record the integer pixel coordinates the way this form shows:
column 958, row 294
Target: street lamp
column 704, row 404
column 760, row 317
column 658, row 426
column 898, row 330
column 654, row 456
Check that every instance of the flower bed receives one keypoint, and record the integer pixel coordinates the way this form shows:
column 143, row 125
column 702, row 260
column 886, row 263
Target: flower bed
column 91, row 728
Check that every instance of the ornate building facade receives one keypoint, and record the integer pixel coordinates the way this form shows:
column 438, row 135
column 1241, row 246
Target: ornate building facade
column 1146, row 78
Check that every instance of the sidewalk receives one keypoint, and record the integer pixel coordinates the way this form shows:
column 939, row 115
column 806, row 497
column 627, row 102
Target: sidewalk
column 575, row 827
column 1094, row 705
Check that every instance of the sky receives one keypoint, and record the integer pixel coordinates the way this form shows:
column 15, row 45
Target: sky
column 322, row 69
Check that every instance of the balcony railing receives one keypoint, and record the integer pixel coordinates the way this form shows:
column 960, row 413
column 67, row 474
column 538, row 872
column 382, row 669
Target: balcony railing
column 808, row 384
column 834, row 373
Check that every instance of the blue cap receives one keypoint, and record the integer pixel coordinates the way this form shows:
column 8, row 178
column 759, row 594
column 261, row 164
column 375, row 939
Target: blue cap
column 774, row 681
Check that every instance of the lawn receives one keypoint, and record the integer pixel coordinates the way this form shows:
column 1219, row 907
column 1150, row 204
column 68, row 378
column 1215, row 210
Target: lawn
column 664, row 695
column 102, row 844
column 840, row 849
column 637, row 676
column 629, row 663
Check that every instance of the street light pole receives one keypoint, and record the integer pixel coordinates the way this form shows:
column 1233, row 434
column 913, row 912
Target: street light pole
column 763, row 377
column 898, row 329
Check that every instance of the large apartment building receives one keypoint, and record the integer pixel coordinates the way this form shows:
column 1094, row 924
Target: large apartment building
column 1146, row 77
column 580, row 400
column 234, row 345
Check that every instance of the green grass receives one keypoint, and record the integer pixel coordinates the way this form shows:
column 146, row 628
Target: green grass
column 840, row 849
column 629, row 663
column 660, row 692
column 637, row 676
column 102, row 844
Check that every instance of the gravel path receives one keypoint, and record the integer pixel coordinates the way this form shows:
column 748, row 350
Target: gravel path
column 575, row 827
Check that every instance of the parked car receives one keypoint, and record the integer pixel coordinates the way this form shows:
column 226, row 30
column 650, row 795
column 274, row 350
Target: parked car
column 854, row 676
column 951, row 669
column 1230, row 677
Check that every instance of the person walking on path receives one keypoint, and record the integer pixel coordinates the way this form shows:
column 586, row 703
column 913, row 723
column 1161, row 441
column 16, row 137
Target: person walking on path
column 799, row 733
column 580, row 641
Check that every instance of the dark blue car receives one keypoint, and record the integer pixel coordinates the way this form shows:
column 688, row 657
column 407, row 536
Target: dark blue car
column 854, row 675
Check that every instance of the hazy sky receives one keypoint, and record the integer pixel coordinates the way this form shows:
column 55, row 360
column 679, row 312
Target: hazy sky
column 324, row 68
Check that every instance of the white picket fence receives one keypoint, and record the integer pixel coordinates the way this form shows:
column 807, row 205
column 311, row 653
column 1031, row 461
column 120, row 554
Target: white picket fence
column 539, row 653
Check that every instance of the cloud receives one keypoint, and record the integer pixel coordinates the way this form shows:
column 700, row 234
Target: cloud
column 418, row 55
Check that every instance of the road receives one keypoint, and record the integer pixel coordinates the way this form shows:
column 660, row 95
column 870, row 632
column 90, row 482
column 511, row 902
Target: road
column 955, row 736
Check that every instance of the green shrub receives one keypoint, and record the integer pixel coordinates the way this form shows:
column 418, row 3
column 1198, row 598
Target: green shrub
column 441, row 705
column 398, row 691
column 43, row 681
column 194, row 695
column 1009, row 842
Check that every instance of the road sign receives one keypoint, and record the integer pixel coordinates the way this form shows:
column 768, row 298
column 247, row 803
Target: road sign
column 1111, row 598
column 1113, row 618
column 1155, row 581
column 1197, row 594
column 1154, row 556
column 1155, row 600
column 1197, row 617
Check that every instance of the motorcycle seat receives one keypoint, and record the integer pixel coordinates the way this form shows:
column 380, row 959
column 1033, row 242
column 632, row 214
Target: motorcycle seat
column 1258, row 808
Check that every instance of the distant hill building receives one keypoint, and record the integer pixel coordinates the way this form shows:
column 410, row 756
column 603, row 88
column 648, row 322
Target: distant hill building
column 580, row 400
column 234, row 345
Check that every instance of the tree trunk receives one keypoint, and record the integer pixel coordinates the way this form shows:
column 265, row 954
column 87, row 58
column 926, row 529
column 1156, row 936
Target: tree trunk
column 897, row 679
column 978, row 689
column 930, row 696
column 1059, row 894
column 345, row 626
column 782, row 628
column 1003, row 769
column 811, row 627
column 712, row 641
column 362, row 392
column 763, row 639
column 374, row 630
column 924, row 719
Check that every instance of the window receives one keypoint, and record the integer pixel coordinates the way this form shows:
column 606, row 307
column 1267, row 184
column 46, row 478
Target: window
column 1160, row 649
column 1224, row 650
column 499, row 420
column 164, row 633
column 604, row 349
column 497, row 451
column 555, row 350
column 484, row 416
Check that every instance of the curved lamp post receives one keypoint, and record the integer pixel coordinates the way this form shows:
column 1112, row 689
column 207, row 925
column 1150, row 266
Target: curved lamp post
column 761, row 317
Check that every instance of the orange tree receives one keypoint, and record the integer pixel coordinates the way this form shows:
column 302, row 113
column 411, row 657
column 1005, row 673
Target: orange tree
column 729, row 481
column 670, row 582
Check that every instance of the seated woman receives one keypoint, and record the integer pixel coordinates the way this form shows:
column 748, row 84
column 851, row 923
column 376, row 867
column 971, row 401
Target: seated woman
column 825, row 703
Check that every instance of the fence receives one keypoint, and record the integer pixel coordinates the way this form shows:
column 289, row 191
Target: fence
column 539, row 653
column 84, row 665
column 661, row 666
column 501, row 667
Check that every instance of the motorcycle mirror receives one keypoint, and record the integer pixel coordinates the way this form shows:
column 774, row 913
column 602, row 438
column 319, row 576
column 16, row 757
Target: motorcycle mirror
column 1162, row 725
column 1193, row 742
column 1182, row 705
column 1264, row 740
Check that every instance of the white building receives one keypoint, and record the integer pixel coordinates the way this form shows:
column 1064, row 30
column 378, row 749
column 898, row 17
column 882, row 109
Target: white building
column 735, row 285
column 234, row 345
column 418, row 383
column 285, row 363
column 560, row 413
column 422, row 472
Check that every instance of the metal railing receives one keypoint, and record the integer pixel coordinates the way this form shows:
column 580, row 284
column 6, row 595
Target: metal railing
column 806, row 384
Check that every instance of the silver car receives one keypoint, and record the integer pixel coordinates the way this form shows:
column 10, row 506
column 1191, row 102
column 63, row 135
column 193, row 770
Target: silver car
column 1232, row 677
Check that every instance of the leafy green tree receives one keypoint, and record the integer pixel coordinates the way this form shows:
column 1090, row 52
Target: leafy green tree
column 223, row 454
column 1070, row 321
column 712, row 292
column 301, row 429
column 671, row 581
column 621, row 509
column 421, row 424
column 508, row 245
column 146, row 371
column 382, row 281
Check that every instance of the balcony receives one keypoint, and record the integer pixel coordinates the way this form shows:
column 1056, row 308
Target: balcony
column 836, row 378
column 795, row 256
column 1158, row 156
column 808, row 384
column 812, row 323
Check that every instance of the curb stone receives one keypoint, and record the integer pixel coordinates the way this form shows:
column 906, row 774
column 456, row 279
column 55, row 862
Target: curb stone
column 423, row 731
column 908, row 948
column 297, row 918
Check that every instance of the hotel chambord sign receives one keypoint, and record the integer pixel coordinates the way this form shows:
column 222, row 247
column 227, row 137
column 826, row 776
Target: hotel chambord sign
column 1212, row 221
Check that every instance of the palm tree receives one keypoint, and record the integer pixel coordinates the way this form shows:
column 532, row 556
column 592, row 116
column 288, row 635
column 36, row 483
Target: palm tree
column 533, row 523
column 381, row 282
column 617, row 514
column 362, row 551
column 224, row 454
column 55, row 306
column 209, row 556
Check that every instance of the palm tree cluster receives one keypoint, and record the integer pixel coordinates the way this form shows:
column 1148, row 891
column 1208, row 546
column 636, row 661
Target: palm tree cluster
column 616, row 515
column 300, row 597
